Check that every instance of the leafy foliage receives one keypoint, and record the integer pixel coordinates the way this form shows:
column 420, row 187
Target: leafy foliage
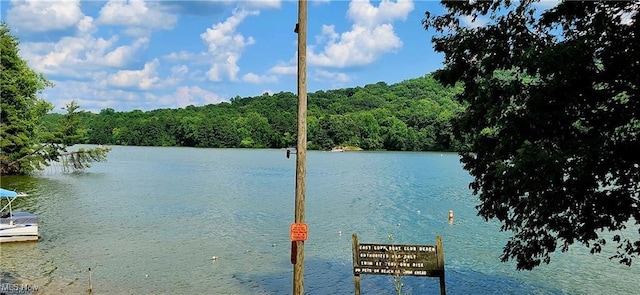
column 27, row 142
column 82, row 158
column 411, row 115
column 551, row 120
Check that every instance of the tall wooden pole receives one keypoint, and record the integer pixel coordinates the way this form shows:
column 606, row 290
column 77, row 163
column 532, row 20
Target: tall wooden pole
column 301, row 154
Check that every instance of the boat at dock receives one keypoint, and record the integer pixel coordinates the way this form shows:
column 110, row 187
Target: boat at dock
column 16, row 226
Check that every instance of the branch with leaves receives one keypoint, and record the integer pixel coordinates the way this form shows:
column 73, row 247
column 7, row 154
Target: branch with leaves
column 26, row 145
column 552, row 119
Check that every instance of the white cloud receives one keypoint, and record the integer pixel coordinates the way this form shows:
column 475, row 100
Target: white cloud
column 319, row 2
column 86, row 26
column 257, row 79
column 180, row 56
column 626, row 18
column 144, row 79
column 630, row 15
column 284, row 69
column 322, row 75
column 70, row 56
column 193, row 95
column 360, row 46
column 43, row 16
column 75, row 56
column 370, row 37
column 195, row 7
column 139, row 16
column 469, row 21
column 78, row 54
column 225, row 46
column 91, row 97
column 122, row 55
column 363, row 13
column 328, row 34
column 179, row 70
column 94, row 97
column 178, row 74
column 267, row 91
column 252, row 4
column 546, row 4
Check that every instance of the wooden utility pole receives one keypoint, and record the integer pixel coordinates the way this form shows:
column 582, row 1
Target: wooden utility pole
column 301, row 153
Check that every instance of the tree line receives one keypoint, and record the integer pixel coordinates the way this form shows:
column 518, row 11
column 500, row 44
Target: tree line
column 413, row 115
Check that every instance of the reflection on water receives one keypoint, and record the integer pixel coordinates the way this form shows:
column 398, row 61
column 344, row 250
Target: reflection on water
column 149, row 220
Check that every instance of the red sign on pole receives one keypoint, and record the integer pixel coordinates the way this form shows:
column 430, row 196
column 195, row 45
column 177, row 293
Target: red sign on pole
column 298, row 231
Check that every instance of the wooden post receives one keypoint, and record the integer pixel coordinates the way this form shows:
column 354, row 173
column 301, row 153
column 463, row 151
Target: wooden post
column 90, row 282
column 298, row 268
column 354, row 251
column 440, row 254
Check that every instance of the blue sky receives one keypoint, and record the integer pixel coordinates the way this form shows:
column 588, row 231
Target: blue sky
column 147, row 55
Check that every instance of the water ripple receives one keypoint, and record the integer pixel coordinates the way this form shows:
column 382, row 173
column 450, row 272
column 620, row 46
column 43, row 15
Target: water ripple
column 149, row 221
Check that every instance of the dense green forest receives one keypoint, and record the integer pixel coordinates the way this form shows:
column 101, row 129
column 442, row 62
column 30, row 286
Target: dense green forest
column 413, row 115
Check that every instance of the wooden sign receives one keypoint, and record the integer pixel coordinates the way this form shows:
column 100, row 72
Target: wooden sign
column 298, row 232
column 406, row 260
column 403, row 260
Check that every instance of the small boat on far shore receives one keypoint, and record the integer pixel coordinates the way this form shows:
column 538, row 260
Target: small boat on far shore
column 345, row 148
column 16, row 226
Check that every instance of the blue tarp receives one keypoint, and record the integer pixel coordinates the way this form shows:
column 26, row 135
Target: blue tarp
column 7, row 193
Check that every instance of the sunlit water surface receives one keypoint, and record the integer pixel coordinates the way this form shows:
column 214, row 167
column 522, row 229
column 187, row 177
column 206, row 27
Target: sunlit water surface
column 149, row 220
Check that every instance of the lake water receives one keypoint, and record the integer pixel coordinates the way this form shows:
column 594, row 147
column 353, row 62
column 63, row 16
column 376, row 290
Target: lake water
column 149, row 219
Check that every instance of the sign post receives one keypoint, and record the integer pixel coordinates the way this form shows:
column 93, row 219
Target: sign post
column 297, row 245
column 403, row 260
